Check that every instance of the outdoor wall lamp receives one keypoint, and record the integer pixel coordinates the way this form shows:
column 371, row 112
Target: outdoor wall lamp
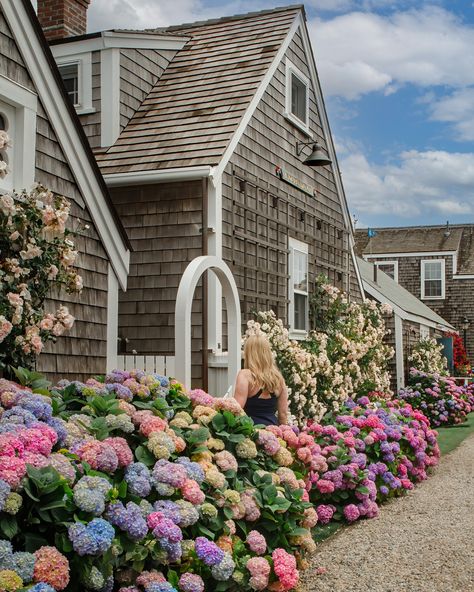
column 465, row 323
column 317, row 157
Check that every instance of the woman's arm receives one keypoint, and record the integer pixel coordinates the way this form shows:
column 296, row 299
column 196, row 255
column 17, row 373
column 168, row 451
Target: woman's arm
column 282, row 406
column 241, row 390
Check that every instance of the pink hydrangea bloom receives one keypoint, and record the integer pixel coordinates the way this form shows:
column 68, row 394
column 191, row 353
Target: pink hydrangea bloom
column 285, row 569
column 256, row 542
column 259, row 569
column 192, row 492
column 122, row 450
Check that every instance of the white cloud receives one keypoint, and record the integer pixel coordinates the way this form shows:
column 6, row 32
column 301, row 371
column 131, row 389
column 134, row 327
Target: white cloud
column 458, row 109
column 361, row 52
column 422, row 183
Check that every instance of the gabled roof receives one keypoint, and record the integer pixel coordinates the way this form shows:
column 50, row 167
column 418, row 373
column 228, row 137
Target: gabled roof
column 191, row 114
column 407, row 306
column 458, row 238
column 22, row 20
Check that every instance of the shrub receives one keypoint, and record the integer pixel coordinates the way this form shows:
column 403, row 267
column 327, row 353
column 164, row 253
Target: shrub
column 438, row 397
column 426, row 356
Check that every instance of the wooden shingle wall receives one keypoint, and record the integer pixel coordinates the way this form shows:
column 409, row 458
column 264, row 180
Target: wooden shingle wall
column 459, row 300
column 139, row 72
column 82, row 351
column 261, row 211
column 164, row 224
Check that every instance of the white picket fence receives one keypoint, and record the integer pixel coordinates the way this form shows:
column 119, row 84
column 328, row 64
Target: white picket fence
column 164, row 365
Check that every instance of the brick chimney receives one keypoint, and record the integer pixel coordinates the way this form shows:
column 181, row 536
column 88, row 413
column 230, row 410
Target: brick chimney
column 63, row 18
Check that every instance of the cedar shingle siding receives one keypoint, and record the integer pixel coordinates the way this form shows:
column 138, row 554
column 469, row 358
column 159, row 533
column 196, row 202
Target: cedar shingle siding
column 454, row 244
column 82, row 352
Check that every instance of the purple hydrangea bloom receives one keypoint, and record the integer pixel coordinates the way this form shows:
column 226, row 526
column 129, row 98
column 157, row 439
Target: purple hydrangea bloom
column 93, row 538
column 42, row 587
column 129, row 519
column 168, row 509
column 4, row 492
column 138, row 478
column 193, row 469
column 208, row 552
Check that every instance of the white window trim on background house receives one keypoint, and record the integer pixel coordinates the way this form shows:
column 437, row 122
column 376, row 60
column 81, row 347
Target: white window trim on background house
column 424, row 332
column 395, row 267
column 291, row 69
column 84, row 71
column 21, row 104
column 423, row 262
column 296, row 245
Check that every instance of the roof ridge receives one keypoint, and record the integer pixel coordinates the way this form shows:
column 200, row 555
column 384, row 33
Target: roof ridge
column 417, row 227
column 234, row 17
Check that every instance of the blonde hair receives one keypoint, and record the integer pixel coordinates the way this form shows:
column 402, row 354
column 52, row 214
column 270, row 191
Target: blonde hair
column 259, row 360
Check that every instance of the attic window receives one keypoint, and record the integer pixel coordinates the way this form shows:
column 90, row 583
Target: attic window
column 297, row 97
column 70, row 75
column 389, row 267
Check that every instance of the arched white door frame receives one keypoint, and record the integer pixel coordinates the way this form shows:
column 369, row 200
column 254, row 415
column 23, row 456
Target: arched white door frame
column 184, row 302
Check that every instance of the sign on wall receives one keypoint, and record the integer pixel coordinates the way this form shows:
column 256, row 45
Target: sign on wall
column 290, row 179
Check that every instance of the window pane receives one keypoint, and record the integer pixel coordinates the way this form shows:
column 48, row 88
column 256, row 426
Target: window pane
column 388, row 268
column 433, row 270
column 70, row 76
column 300, row 271
column 433, row 288
column 298, row 98
column 300, row 312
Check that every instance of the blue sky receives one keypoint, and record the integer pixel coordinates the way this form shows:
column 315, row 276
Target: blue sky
column 398, row 80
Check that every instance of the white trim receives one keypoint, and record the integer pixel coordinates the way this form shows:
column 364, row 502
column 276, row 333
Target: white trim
column 109, row 96
column 303, row 248
column 463, row 277
column 290, row 69
column 400, row 370
column 423, row 278
column 395, row 267
column 110, row 39
column 53, row 102
column 22, row 154
column 413, row 254
column 112, row 319
column 214, row 248
column 158, row 176
column 258, row 96
column 84, row 73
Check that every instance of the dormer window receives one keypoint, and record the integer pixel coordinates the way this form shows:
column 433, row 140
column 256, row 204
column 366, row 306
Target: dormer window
column 297, row 97
column 76, row 72
column 70, row 75
column 432, row 279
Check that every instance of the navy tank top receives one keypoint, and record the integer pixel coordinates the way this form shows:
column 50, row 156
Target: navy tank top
column 262, row 411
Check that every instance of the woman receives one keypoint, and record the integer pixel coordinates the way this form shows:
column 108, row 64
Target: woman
column 260, row 388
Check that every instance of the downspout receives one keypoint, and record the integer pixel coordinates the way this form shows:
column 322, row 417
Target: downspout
column 205, row 339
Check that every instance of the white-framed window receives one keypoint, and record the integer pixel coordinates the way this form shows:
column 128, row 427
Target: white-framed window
column 18, row 119
column 298, row 287
column 433, row 279
column 76, row 72
column 389, row 267
column 297, row 97
column 424, row 332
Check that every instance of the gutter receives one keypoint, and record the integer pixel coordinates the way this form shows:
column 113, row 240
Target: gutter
column 158, row 176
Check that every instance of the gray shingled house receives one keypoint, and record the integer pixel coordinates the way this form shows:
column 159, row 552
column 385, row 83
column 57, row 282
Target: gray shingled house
column 50, row 147
column 434, row 263
column 197, row 130
column 411, row 320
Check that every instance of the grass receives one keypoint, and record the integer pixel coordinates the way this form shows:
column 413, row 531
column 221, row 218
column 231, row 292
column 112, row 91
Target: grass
column 450, row 438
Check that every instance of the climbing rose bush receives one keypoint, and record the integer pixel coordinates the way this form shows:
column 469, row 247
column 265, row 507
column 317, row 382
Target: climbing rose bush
column 346, row 357
column 134, row 485
column 426, row 356
column 37, row 255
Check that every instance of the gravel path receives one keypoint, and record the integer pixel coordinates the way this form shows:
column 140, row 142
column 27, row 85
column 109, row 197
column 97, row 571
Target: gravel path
column 423, row 542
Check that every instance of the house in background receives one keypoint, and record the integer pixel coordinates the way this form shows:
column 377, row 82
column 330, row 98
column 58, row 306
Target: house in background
column 411, row 321
column 201, row 131
column 50, row 147
column 434, row 263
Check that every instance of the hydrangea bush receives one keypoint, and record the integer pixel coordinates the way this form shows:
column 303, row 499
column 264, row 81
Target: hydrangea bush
column 134, row 485
column 345, row 356
column 426, row 356
column 36, row 256
column 438, row 397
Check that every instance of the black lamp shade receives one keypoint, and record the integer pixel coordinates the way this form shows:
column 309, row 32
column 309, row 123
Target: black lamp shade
column 317, row 157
